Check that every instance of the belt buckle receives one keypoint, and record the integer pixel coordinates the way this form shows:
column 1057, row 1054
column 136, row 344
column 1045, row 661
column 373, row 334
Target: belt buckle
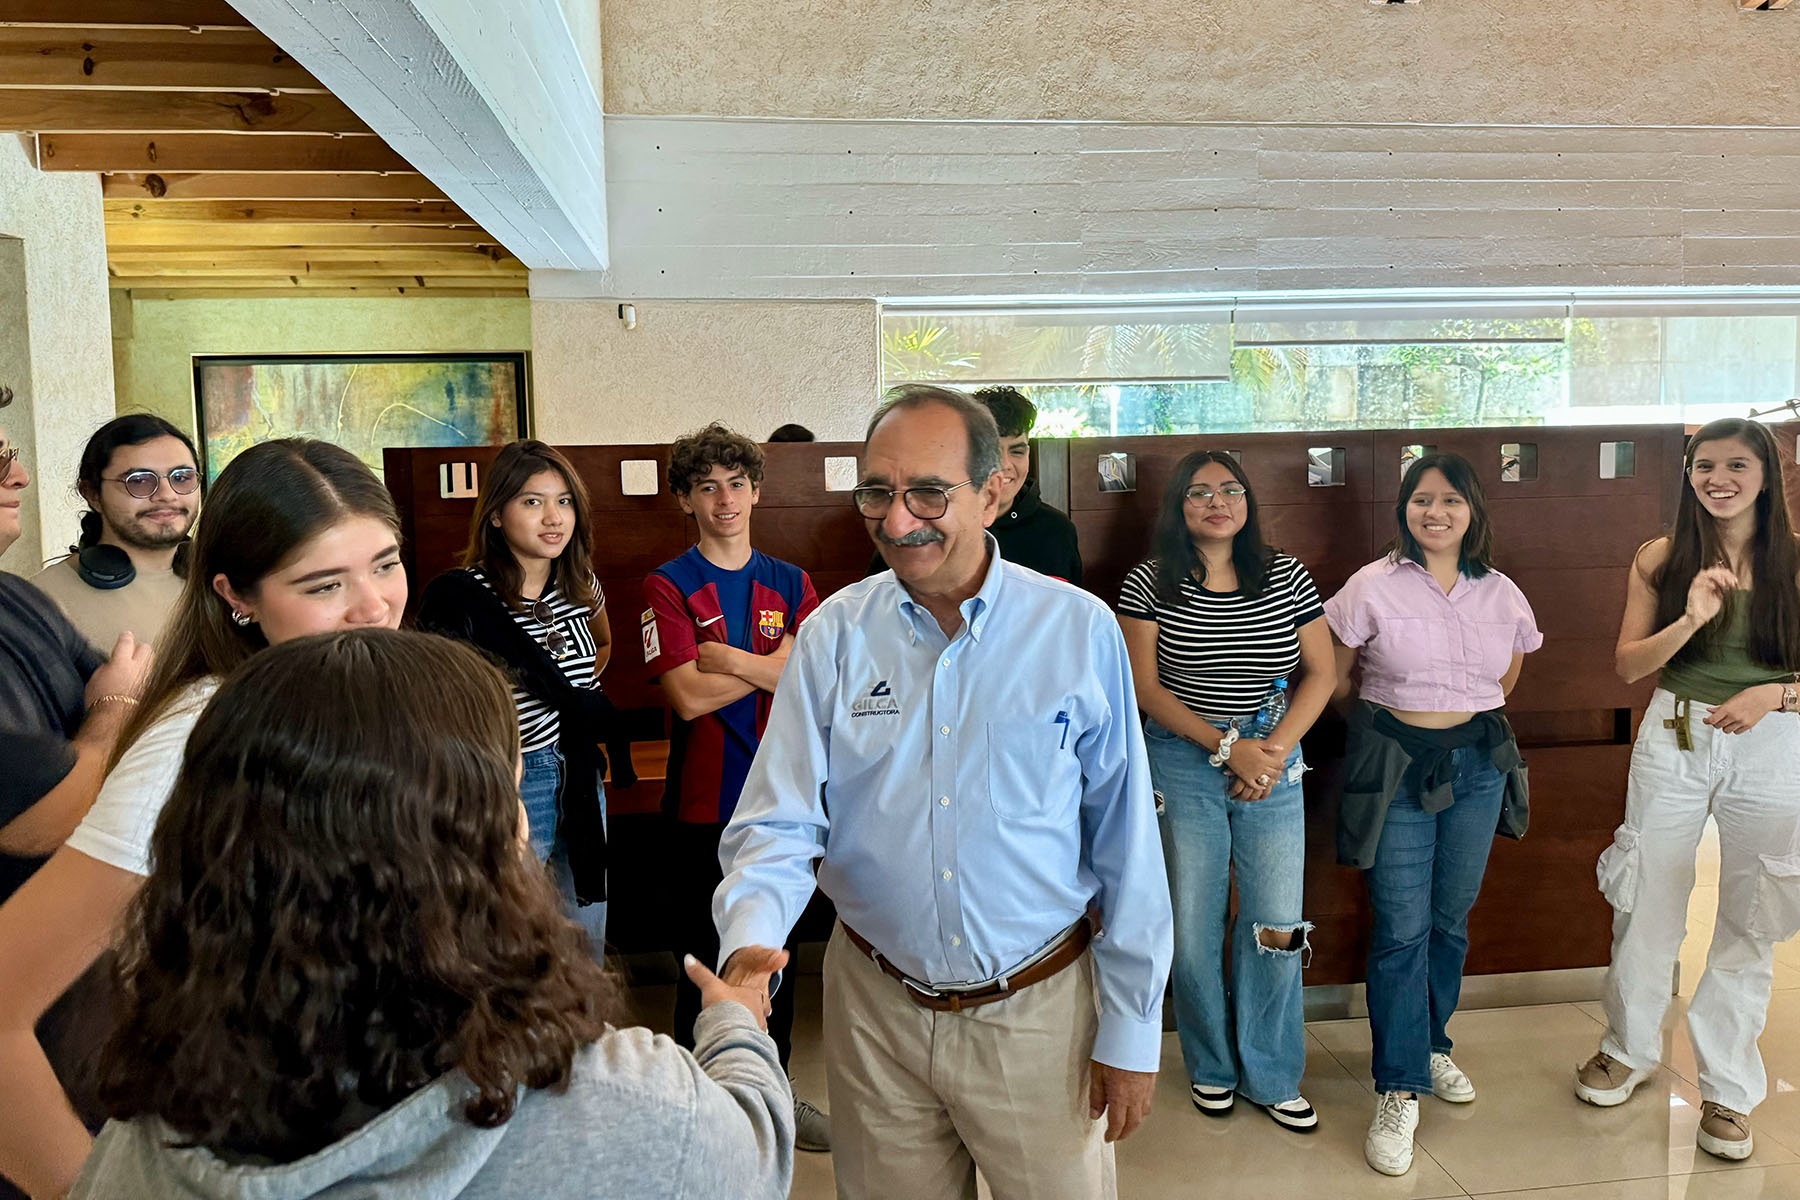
column 924, row 989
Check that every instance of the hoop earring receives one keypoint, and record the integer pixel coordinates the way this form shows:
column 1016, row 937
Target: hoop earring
column 241, row 619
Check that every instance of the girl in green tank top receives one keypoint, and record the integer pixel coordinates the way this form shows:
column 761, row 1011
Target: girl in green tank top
column 1713, row 610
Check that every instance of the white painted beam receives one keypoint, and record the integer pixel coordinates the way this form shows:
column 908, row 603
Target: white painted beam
column 490, row 101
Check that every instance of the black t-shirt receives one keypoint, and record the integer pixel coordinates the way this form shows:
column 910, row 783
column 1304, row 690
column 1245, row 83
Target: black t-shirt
column 44, row 669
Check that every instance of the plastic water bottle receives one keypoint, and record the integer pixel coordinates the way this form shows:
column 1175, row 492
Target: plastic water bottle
column 1274, row 707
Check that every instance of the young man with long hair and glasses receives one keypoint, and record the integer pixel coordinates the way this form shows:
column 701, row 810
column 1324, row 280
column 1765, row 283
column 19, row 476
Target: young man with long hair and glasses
column 141, row 481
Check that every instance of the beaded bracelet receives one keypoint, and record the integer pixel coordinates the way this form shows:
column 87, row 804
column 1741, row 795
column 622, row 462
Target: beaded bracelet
column 116, row 698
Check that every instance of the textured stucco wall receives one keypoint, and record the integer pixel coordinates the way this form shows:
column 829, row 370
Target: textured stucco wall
column 64, row 341
column 1342, row 61
column 753, row 365
column 157, row 345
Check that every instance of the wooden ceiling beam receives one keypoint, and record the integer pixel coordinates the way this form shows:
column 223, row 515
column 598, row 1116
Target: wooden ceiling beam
column 222, row 60
column 62, row 110
column 124, row 14
column 302, row 283
column 226, row 292
column 195, row 260
column 327, row 272
column 123, row 235
column 215, row 152
column 269, row 185
column 300, row 212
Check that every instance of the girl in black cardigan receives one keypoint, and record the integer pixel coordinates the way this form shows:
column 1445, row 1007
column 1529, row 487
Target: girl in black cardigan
column 526, row 595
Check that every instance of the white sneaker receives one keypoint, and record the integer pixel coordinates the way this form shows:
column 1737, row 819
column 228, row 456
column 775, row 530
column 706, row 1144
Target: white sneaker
column 1448, row 1081
column 1389, row 1146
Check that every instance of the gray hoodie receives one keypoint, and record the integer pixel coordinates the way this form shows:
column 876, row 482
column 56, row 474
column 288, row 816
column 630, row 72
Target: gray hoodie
column 641, row 1118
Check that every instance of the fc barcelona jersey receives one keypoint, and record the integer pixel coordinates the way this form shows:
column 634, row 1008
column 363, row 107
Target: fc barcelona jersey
column 692, row 601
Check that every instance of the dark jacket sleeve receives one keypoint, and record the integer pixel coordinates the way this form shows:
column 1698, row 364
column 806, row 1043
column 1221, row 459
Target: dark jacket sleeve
column 35, row 763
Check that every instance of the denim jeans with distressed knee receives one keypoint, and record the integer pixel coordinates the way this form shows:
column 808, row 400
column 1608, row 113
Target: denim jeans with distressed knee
column 1245, row 1032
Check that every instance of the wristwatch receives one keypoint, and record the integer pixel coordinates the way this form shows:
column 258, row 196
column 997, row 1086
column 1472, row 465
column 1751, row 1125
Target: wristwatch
column 1790, row 698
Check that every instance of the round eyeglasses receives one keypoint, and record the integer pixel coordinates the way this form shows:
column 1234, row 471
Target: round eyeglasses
column 925, row 503
column 1232, row 493
column 555, row 640
column 141, row 485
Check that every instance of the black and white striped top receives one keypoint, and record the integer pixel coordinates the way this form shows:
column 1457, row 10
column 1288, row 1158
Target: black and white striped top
column 1220, row 653
column 539, row 724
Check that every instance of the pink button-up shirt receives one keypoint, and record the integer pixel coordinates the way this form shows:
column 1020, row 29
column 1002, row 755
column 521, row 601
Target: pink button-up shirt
column 1425, row 651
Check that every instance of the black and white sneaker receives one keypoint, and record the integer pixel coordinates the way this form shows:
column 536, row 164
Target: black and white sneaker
column 1213, row 1102
column 1295, row 1114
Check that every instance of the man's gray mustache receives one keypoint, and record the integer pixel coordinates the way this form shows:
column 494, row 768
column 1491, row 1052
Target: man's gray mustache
column 918, row 537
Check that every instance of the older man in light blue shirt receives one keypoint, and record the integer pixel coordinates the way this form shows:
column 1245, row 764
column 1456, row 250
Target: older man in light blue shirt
column 956, row 745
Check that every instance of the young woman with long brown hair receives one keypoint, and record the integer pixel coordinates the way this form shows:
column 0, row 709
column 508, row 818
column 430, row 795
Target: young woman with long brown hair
column 345, row 977
column 527, row 595
column 299, row 537
column 1714, row 610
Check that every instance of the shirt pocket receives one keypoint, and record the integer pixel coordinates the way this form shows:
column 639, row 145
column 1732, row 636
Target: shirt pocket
column 1496, row 648
column 1413, row 651
column 1033, row 774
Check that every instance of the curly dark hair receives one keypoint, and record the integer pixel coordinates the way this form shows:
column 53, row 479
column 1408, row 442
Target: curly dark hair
column 693, row 456
column 342, row 908
column 1013, row 413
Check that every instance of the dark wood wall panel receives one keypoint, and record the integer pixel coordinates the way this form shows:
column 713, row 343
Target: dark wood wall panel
column 1565, row 538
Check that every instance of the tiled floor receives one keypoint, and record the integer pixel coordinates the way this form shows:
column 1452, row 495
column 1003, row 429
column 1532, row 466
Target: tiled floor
column 1524, row 1136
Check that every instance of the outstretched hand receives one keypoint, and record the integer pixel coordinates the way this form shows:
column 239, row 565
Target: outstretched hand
column 745, row 979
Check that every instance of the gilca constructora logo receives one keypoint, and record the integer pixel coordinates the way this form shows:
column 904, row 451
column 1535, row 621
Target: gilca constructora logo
column 879, row 702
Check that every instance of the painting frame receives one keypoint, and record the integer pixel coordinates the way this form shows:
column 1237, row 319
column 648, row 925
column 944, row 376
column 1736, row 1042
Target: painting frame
column 210, row 420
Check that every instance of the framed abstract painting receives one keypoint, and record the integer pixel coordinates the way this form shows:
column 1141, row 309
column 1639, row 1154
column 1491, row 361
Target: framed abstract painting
column 362, row 402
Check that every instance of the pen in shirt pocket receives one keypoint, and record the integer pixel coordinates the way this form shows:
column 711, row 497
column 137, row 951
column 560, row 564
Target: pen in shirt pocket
column 1062, row 718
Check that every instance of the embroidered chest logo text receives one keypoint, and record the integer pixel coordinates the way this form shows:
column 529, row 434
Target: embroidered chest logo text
column 770, row 622
column 878, row 702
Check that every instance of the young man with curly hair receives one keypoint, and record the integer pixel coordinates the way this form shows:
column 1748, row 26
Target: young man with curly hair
column 720, row 622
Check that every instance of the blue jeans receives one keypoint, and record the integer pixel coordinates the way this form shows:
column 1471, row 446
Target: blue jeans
column 540, row 788
column 1244, row 1034
column 1427, row 873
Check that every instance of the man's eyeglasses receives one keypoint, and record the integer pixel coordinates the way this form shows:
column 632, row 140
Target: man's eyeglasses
column 1232, row 492
column 141, row 485
column 925, row 503
column 555, row 641
column 8, row 457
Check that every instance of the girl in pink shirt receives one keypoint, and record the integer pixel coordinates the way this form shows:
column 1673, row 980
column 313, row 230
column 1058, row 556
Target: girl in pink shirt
column 1439, row 636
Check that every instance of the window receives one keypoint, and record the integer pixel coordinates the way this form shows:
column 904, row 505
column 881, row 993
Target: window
column 1381, row 363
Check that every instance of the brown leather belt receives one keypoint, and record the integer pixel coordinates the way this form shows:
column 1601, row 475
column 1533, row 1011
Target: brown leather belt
column 956, row 999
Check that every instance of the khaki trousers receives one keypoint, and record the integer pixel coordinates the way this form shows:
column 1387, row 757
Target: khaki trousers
column 919, row 1099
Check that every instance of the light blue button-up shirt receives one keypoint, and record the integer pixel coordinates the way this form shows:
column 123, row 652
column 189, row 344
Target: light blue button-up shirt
column 967, row 798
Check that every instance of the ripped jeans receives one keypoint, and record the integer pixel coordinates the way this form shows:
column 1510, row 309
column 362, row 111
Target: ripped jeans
column 1749, row 782
column 1245, row 1033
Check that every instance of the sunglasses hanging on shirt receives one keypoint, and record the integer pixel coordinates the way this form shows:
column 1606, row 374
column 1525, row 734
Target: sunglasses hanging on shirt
column 555, row 640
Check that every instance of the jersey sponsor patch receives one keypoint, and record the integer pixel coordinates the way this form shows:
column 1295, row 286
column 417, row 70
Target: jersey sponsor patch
column 652, row 644
column 770, row 622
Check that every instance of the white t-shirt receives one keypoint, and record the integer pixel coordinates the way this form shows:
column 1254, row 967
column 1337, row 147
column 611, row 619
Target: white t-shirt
column 117, row 829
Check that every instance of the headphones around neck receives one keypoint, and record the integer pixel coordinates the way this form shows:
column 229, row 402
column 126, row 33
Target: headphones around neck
column 104, row 568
